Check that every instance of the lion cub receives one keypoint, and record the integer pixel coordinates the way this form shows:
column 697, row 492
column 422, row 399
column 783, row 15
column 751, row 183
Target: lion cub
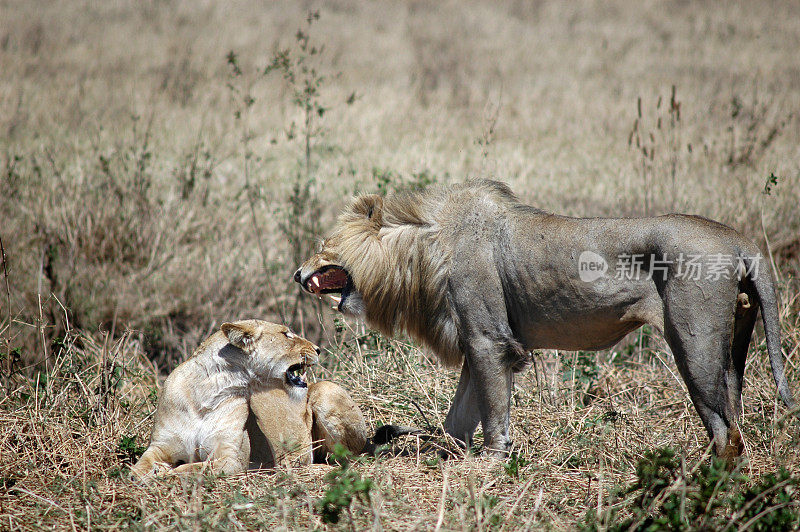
column 203, row 408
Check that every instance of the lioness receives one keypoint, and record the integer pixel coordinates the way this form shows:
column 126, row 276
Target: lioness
column 478, row 276
column 203, row 412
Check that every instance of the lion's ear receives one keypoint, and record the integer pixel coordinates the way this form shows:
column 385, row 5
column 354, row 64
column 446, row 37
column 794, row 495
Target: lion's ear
column 374, row 207
column 242, row 334
column 370, row 206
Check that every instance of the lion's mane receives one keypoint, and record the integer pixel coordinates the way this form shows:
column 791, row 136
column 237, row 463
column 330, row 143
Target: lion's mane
column 398, row 259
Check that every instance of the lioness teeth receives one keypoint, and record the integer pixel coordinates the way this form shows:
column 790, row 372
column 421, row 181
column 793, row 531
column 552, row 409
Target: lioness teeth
column 315, row 280
column 336, row 299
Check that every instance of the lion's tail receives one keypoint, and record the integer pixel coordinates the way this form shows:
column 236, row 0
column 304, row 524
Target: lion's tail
column 765, row 288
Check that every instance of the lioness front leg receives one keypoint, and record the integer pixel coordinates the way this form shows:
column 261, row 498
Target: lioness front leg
column 155, row 458
column 229, row 458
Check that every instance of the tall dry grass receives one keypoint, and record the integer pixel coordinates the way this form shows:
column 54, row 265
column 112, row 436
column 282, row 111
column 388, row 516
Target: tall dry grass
column 137, row 213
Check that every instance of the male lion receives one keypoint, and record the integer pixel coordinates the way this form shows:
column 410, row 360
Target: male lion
column 242, row 400
column 478, row 276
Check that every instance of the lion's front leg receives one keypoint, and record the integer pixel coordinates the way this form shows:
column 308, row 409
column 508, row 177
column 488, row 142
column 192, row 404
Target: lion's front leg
column 486, row 340
column 464, row 414
column 483, row 395
column 491, row 383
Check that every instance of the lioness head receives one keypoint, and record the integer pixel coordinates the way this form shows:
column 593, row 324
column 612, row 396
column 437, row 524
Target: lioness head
column 278, row 357
column 350, row 258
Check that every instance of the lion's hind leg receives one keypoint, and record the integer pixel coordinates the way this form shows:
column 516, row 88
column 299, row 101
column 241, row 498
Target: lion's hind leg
column 701, row 341
column 336, row 420
column 744, row 322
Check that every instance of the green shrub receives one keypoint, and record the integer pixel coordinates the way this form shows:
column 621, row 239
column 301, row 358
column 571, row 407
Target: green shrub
column 344, row 486
column 666, row 496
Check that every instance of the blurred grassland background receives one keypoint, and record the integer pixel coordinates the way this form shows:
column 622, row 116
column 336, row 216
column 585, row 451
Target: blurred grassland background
column 157, row 178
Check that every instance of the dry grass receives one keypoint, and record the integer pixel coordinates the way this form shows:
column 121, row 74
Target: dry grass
column 137, row 214
column 66, row 443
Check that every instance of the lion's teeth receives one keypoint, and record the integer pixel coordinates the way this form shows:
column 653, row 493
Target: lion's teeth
column 315, row 280
column 336, row 299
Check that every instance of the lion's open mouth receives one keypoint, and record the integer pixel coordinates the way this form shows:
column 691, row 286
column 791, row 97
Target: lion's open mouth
column 296, row 375
column 328, row 280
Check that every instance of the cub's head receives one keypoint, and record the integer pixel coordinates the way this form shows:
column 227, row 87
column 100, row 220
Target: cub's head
column 350, row 260
column 277, row 356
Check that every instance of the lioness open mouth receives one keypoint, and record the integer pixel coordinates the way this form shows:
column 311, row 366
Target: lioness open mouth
column 329, row 280
column 296, row 375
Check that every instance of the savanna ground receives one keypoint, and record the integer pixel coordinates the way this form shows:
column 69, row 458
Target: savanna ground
column 166, row 165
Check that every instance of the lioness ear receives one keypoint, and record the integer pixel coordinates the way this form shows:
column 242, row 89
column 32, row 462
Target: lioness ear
column 241, row 334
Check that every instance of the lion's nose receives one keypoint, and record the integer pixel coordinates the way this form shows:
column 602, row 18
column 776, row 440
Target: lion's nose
column 312, row 360
column 297, row 276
